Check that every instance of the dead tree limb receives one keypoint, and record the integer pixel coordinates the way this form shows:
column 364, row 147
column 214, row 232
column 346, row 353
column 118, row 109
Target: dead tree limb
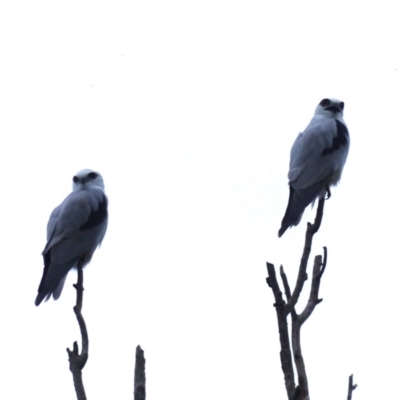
column 77, row 361
column 285, row 354
column 140, row 375
column 351, row 388
column 313, row 300
column 298, row 321
column 291, row 347
column 312, row 229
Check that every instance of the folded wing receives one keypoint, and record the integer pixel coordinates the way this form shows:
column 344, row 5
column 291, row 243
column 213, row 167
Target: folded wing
column 316, row 163
column 75, row 229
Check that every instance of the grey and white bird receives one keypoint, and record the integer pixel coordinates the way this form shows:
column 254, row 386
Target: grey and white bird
column 75, row 229
column 317, row 159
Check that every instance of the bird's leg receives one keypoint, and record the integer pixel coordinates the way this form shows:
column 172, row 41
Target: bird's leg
column 328, row 193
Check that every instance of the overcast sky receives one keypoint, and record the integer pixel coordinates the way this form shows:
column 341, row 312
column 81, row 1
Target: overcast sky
column 188, row 110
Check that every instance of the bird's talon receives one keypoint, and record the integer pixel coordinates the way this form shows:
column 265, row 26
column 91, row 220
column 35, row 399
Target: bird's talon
column 328, row 193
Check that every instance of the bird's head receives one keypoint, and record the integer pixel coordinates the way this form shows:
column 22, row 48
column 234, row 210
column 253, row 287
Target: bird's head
column 87, row 179
column 331, row 108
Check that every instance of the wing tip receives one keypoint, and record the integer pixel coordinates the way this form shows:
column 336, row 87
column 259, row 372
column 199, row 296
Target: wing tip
column 42, row 296
column 39, row 299
column 281, row 231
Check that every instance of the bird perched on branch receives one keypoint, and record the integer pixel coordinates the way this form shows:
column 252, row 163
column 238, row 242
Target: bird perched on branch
column 317, row 159
column 74, row 231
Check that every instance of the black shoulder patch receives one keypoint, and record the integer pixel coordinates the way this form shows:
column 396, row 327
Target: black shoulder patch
column 341, row 139
column 96, row 217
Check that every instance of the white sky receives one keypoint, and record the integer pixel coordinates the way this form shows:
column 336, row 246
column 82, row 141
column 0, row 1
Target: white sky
column 189, row 110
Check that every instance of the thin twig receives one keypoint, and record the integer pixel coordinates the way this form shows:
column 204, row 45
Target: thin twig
column 351, row 388
column 313, row 300
column 140, row 375
column 285, row 281
column 77, row 361
column 288, row 293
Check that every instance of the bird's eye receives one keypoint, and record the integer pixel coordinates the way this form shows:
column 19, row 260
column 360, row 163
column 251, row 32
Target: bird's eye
column 341, row 105
column 75, row 179
column 325, row 103
column 92, row 175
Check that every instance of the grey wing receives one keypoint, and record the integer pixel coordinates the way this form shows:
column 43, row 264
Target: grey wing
column 52, row 221
column 75, row 229
column 319, row 153
column 82, row 215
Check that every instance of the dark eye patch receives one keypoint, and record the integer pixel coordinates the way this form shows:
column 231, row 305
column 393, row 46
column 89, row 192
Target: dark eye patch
column 325, row 103
column 341, row 105
column 75, row 179
column 92, row 175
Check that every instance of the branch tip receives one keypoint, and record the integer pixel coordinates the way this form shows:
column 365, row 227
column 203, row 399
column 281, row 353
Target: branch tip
column 140, row 375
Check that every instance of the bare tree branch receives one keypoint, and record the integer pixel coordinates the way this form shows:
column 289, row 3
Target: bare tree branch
column 299, row 392
column 285, row 281
column 140, row 375
column 312, row 229
column 77, row 361
column 351, row 388
column 313, row 300
column 297, row 322
column 286, row 354
column 298, row 358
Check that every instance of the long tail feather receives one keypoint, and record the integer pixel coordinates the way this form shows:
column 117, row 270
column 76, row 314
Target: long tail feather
column 53, row 281
column 299, row 199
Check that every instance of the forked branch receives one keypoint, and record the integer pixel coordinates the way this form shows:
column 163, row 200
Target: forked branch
column 292, row 350
column 285, row 353
column 312, row 229
column 351, row 388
